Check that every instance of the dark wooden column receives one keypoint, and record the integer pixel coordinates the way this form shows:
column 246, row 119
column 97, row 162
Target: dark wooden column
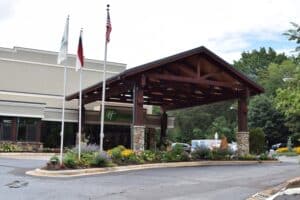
column 38, row 131
column 243, row 112
column 14, row 129
column 138, row 101
column 163, row 126
column 242, row 136
column 138, row 128
column 83, row 120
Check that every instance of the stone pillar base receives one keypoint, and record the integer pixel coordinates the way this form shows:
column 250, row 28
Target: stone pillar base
column 242, row 139
column 138, row 138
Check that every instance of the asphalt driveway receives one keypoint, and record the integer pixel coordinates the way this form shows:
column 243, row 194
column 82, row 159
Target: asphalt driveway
column 216, row 182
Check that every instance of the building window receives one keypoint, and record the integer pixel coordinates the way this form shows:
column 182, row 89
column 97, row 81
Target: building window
column 27, row 129
column 51, row 134
column 5, row 128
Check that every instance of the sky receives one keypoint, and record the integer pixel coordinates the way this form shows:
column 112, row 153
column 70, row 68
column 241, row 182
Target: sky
column 143, row 31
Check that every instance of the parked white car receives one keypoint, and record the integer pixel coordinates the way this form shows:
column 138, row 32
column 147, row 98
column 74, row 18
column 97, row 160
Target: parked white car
column 210, row 144
column 186, row 147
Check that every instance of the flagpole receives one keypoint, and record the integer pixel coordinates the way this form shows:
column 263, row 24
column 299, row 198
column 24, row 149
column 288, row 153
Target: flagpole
column 63, row 115
column 103, row 99
column 62, row 56
column 79, row 117
column 103, row 90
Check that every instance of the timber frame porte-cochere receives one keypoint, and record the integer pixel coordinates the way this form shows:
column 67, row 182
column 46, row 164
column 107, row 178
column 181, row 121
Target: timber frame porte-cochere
column 191, row 78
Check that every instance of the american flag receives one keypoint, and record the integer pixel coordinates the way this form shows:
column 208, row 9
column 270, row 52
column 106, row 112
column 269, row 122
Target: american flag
column 108, row 27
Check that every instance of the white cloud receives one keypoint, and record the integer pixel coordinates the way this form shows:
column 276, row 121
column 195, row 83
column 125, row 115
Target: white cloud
column 148, row 30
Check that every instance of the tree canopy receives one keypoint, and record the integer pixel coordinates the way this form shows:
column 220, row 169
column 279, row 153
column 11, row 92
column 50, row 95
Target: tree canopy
column 257, row 61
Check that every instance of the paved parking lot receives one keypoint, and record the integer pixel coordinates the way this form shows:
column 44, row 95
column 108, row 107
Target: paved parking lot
column 219, row 182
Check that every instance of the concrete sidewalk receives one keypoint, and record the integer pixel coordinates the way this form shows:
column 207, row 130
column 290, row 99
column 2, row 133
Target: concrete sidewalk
column 30, row 156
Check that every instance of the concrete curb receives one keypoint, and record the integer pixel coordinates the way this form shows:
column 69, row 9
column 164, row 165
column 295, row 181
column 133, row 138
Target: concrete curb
column 268, row 193
column 95, row 171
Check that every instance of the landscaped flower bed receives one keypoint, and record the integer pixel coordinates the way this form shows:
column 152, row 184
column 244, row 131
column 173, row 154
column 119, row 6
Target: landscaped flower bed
column 284, row 151
column 120, row 156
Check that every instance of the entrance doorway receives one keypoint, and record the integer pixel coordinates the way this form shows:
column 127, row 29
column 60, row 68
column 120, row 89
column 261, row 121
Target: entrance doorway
column 114, row 135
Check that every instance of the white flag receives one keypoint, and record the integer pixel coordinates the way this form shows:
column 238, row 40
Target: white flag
column 62, row 55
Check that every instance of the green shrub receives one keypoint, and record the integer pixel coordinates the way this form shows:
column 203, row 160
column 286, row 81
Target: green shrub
column 200, row 153
column 166, row 156
column 148, row 155
column 134, row 159
column 177, row 149
column 296, row 139
column 101, row 160
column 247, row 157
column 257, row 141
column 185, row 156
column 263, row 156
column 85, row 159
column 116, row 152
column 158, row 156
column 54, row 160
column 175, row 155
column 70, row 160
column 53, row 163
column 9, row 147
column 220, row 154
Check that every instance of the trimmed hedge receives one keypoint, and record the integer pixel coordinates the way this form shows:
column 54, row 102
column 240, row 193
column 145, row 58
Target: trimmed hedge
column 257, row 141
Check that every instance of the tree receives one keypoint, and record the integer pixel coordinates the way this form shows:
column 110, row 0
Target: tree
column 288, row 101
column 276, row 74
column 202, row 122
column 223, row 127
column 262, row 114
column 257, row 61
column 294, row 34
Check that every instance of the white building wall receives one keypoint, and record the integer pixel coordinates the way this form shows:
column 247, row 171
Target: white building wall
column 32, row 76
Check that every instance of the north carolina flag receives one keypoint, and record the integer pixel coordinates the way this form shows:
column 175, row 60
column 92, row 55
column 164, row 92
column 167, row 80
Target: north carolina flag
column 80, row 58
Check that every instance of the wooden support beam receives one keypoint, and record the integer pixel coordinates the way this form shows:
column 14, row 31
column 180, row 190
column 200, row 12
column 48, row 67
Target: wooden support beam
column 199, row 102
column 111, row 92
column 182, row 68
column 193, row 80
column 138, row 101
column 199, row 65
column 143, row 81
column 243, row 112
column 163, row 126
column 209, row 75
